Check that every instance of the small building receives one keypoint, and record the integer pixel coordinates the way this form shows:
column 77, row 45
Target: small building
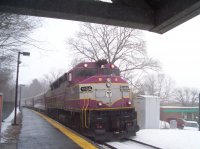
column 148, row 111
column 177, row 112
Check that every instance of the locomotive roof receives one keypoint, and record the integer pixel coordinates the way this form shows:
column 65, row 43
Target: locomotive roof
column 83, row 65
column 92, row 65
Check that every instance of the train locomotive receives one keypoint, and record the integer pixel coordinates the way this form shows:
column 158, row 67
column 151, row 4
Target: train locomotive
column 92, row 99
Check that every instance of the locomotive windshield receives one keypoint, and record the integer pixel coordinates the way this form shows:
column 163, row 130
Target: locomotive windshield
column 107, row 71
column 94, row 71
column 86, row 72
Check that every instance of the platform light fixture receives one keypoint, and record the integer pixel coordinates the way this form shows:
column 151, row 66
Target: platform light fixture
column 16, row 87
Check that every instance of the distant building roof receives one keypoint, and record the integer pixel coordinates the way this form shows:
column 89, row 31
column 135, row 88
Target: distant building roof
column 179, row 109
column 147, row 96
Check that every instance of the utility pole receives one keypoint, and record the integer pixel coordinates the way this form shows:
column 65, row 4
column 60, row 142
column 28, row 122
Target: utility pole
column 16, row 87
column 199, row 112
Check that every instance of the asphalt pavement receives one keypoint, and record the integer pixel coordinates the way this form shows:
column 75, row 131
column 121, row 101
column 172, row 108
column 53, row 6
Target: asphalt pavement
column 36, row 133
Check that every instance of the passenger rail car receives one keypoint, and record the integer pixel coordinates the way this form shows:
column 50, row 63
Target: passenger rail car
column 93, row 99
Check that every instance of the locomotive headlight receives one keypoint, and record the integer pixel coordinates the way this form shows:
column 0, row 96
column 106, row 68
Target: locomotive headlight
column 85, row 65
column 102, row 66
column 112, row 66
column 100, row 104
column 129, row 103
column 100, row 79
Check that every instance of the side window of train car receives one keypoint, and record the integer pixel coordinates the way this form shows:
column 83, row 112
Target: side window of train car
column 70, row 76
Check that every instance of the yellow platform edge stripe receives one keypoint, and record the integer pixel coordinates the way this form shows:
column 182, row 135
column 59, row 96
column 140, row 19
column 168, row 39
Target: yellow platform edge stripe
column 78, row 140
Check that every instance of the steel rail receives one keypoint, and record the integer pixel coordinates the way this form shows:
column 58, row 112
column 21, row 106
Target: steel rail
column 139, row 142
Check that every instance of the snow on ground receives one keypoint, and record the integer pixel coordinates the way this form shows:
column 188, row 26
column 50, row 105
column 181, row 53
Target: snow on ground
column 6, row 123
column 170, row 138
column 163, row 138
column 128, row 145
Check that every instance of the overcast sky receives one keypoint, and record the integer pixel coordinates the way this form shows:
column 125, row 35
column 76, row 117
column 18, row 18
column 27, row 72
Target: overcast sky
column 177, row 50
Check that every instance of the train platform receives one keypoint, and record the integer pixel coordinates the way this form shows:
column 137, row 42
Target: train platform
column 41, row 132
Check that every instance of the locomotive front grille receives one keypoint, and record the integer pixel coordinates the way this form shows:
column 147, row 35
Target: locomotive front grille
column 114, row 120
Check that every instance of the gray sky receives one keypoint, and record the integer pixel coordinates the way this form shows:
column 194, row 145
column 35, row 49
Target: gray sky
column 177, row 50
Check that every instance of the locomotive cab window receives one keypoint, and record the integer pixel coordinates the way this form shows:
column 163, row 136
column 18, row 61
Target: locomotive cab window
column 86, row 72
column 108, row 71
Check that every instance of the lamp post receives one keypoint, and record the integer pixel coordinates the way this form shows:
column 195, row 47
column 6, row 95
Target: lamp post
column 20, row 95
column 199, row 112
column 16, row 87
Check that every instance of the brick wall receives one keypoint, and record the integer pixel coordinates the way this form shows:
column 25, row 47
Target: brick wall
column 164, row 116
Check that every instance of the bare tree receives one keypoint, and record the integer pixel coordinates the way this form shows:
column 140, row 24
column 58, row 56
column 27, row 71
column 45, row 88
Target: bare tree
column 51, row 77
column 14, row 31
column 33, row 89
column 186, row 96
column 121, row 46
column 158, row 85
column 5, row 87
column 38, row 86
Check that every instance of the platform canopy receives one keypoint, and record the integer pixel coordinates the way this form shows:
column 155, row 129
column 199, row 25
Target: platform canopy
column 157, row 16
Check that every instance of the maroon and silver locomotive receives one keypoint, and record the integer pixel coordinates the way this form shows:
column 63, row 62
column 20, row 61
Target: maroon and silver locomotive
column 93, row 99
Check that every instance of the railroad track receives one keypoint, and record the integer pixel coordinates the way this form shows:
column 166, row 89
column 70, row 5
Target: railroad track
column 104, row 145
column 139, row 142
column 126, row 143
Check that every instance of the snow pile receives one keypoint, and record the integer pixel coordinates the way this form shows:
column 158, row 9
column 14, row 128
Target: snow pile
column 162, row 138
column 164, row 125
column 6, row 123
column 169, row 138
column 127, row 145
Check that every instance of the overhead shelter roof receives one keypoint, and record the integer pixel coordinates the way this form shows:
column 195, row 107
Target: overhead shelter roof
column 157, row 16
